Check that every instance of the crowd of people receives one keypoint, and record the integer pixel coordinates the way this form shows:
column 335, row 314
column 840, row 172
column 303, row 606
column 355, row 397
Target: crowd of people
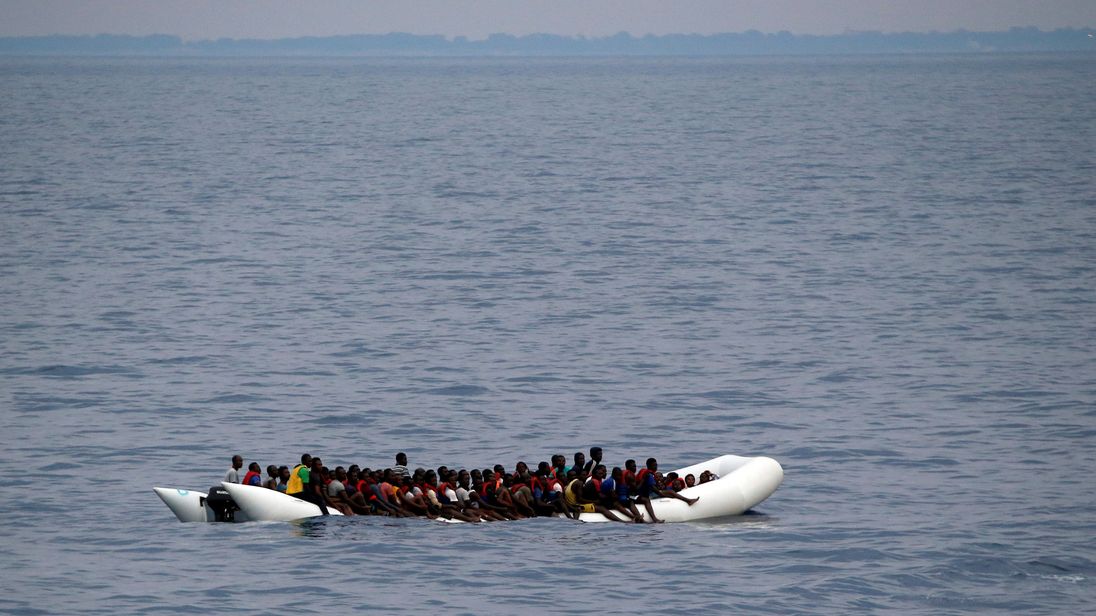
column 488, row 494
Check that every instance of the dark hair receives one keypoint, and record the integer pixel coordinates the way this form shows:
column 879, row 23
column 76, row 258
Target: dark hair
column 306, row 458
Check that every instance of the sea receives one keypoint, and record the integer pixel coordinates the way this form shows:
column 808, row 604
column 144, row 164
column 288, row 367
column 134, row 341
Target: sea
column 878, row 270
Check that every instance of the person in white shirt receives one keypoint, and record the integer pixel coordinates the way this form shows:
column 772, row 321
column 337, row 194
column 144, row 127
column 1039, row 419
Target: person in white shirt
column 233, row 474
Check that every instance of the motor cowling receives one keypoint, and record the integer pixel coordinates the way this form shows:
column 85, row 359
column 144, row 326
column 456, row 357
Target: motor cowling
column 220, row 502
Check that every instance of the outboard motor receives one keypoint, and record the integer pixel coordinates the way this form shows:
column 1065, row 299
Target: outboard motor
column 221, row 503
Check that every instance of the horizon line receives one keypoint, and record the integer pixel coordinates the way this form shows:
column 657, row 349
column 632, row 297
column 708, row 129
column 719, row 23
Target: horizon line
column 578, row 36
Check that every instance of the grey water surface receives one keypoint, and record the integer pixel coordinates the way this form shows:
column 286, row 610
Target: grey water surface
column 877, row 270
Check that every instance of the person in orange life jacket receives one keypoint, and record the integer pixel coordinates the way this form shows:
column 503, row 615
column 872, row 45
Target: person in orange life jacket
column 616, row 495
column 474, row 487
column 254, row 476
column 647, row 488
column 503, row 498
column 674, row 482
column 629, row 476
column 538, row 488
column 354, row 483
column 519, row 494
column 544, row 471
column 443, row 498
column 389, row 488
column 233, row 474
column 553, row 490
column 457, row 488
column 411, row 498
column 601, row 489
column 489, row 493
column 559, row 467
column 315, row 491
column 365, row 485
column 382, row 495
column 524, row 487
column 342, row 490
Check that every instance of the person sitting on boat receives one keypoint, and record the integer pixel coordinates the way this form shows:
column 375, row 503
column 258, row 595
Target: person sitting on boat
column 400, row 469
column 299, row 476
column 493, row 495
column 381, row 493
column 411, row 498
column 233, row 474
column 335, row 492
column 582, row 496
column 283, row 479
column 605, row 493
column 674, row 482
column 690, row 480
column 580, row 463
column 315, row 491
column 617, row 494
column 559, row 466
column 443, row 499
column 553, row 490
column 271, row 482
column 254, row 476
column 629, row 477
column 595, row 459
column 388, row 488
column 647, row 488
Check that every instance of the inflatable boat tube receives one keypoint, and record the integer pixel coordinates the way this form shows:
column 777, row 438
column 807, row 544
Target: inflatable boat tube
column 743, row 484
column 190, row 506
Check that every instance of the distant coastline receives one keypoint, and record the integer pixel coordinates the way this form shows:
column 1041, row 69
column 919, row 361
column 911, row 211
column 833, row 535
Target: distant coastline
column 1028, row 39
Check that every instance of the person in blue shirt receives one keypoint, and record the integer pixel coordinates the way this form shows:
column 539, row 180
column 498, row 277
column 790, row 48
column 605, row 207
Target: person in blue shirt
column 609, row 495
column 617, row 495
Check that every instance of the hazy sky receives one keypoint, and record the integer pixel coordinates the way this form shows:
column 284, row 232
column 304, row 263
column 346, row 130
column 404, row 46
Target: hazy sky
column 199, row 19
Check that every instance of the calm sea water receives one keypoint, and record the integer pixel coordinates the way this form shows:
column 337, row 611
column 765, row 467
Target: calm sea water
column 878, row 270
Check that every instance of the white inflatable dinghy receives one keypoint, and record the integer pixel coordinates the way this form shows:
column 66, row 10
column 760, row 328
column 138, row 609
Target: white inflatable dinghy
column 743, row 484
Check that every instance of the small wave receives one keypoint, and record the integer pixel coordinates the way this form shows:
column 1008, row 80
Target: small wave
column 458, row 390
